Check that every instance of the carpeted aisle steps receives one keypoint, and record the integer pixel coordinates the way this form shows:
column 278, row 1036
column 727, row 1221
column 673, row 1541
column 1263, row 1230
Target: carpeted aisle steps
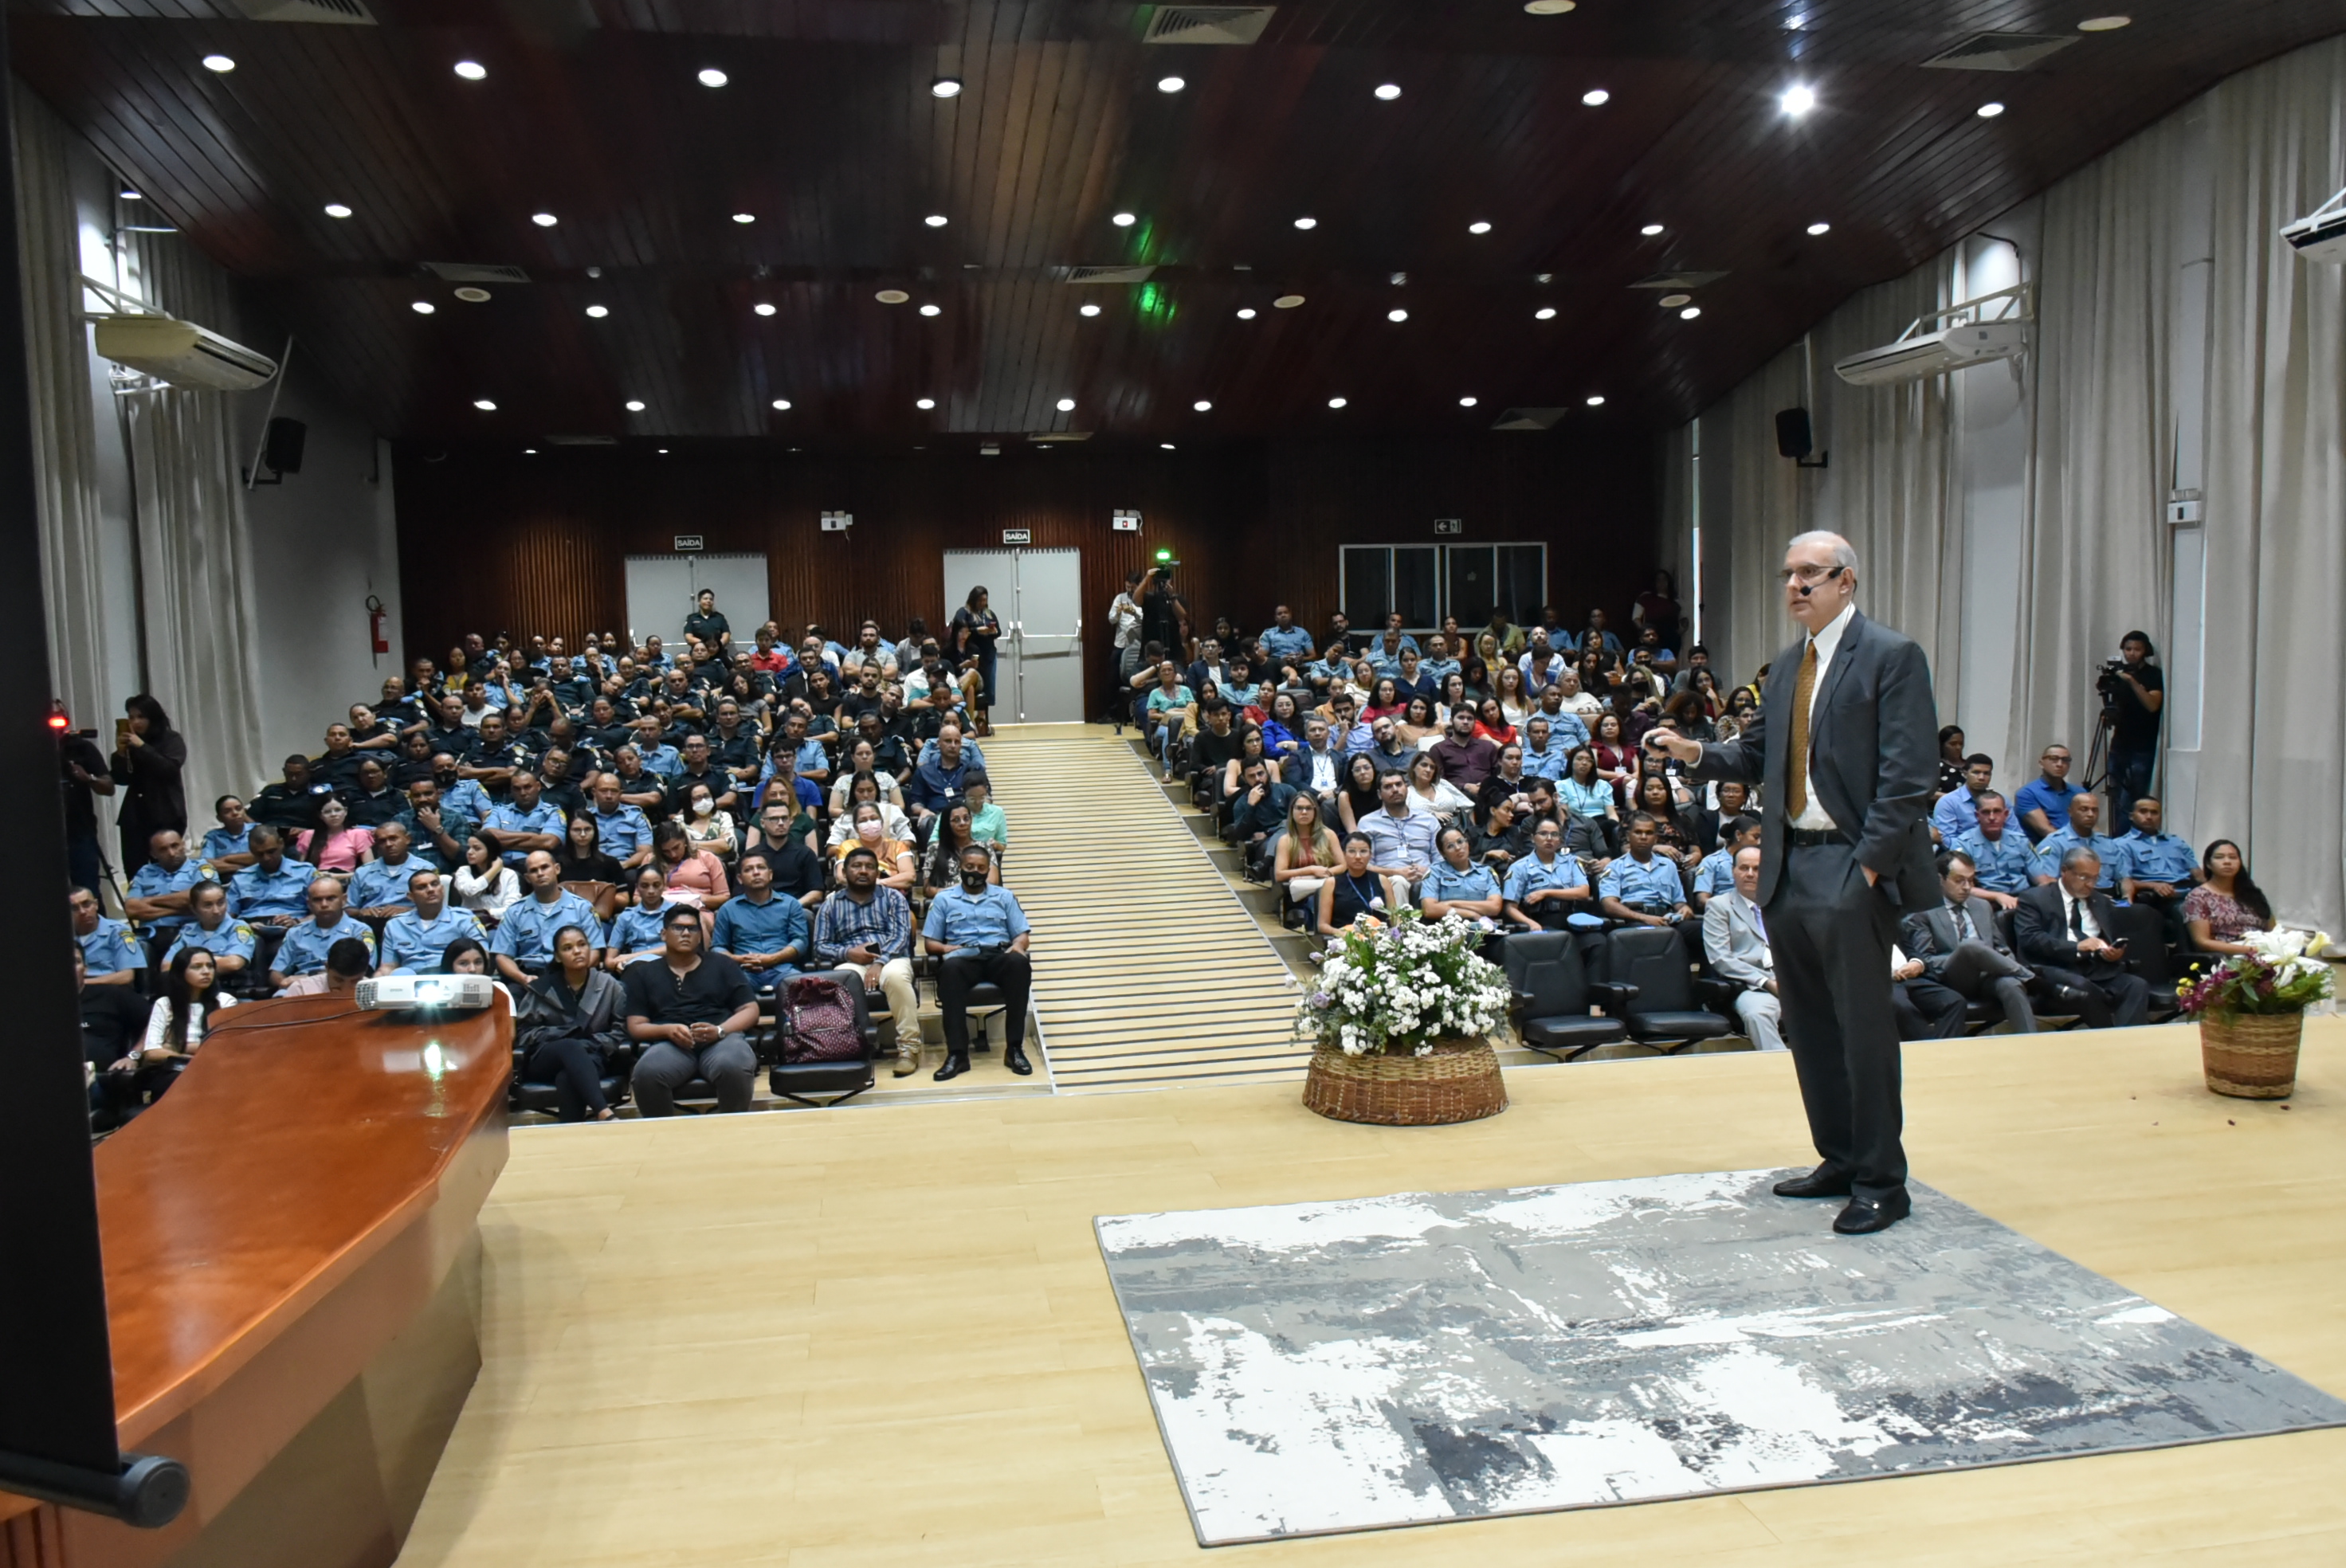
column 1148, row 971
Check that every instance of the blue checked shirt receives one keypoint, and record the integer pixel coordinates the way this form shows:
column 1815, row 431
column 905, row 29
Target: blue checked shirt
column 152, row 881
column 110, row 949
column 230, row 938
column 414, row 945
column 988, row 919
column 1404, row 840
column 303, row 950
column 286, row 892
column 2006, row 865
column 884, row 924
column 525, row 931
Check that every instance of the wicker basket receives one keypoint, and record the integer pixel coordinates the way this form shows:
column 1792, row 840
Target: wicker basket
column 2251, row 1055
column 1459, row 1083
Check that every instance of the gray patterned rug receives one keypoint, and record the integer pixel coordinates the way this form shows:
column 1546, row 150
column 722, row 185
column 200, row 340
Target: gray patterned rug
column 1399, row 1361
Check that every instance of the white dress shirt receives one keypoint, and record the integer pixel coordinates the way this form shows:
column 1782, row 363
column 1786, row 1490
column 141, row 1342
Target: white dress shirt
column 1828, row 643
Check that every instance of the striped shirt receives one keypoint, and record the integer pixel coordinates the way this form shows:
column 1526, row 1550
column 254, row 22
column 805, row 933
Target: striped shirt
column 883, row 923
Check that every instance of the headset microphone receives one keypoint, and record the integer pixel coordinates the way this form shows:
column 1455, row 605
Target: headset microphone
column 1808, row 590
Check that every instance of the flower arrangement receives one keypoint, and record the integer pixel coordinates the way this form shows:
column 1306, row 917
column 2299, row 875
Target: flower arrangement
column 2279, row 976
column 1396, row 988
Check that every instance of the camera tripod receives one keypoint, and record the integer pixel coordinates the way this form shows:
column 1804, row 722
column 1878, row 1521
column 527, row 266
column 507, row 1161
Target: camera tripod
column 2098, row 755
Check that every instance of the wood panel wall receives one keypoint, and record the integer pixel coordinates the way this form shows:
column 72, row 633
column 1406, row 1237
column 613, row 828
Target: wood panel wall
column 496, row 540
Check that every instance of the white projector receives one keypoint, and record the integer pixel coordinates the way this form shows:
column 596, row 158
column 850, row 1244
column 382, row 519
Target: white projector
column 406, row 993
column 2320, row 235
column 1934, row 353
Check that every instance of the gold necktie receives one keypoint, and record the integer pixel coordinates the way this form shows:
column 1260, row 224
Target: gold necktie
column 1796, row 754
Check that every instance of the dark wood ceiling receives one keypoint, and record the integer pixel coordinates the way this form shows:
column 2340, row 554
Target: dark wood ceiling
column 827, row 133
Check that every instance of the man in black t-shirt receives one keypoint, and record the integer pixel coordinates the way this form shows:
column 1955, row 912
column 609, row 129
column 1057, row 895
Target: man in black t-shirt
column 82, row 776
column 689, row 1011
column 2141, row 692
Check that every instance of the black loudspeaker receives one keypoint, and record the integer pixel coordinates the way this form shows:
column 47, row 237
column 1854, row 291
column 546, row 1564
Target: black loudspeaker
column 282, row 452
column 1793, row 437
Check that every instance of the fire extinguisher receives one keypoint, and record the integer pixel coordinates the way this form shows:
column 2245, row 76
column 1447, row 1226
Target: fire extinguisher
column 374, row 627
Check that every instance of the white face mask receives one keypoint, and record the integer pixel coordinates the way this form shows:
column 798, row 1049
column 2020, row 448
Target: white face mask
column 702, row 808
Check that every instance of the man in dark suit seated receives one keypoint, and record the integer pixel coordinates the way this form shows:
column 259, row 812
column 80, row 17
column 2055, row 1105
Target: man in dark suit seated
column 2062, row 931
column 1960, row 947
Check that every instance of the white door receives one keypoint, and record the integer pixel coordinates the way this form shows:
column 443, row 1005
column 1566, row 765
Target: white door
column 1037, row 594
column 663, row 589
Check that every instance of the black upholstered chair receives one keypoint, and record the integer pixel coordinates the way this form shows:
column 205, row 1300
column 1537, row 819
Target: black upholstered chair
column 1545, row 972
column 1663, row 1010
column 840, row 1081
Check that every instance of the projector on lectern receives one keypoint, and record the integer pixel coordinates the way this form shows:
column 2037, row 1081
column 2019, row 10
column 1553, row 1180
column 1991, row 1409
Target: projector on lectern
column 412, row 992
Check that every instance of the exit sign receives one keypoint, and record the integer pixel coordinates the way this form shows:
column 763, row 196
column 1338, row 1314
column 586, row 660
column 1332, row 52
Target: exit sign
column 1450, row 525
column 1124, row 521
column 688, row 541
column 1018, row 535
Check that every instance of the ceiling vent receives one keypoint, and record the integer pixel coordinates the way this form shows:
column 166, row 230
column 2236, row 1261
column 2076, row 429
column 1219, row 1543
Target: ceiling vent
column 1108, row 274
column 476, row 272
column 1530, row 419
column 351, row 12
column 1206, row 23
column 2000, row 51
column 1058, row 435
column 582, row 441
column 1672, row 283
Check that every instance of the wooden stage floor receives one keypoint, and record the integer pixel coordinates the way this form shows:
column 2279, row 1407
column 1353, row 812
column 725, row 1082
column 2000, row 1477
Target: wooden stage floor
column 887, row 1337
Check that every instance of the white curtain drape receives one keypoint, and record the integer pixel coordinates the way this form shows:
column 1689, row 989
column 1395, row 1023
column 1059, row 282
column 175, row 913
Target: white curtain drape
column 195, row 548
column 65, row 436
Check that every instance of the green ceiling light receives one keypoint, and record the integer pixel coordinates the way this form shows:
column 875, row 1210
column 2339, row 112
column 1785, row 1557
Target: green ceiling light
column 1155, row 304
column 1164, row 555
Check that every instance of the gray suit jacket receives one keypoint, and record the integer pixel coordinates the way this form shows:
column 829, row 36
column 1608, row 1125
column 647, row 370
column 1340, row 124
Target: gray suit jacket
column 1930, row 935
column 1873, row 751
column 1733, row 944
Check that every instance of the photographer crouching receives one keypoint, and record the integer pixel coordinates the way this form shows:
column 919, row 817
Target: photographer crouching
column 2133, row 691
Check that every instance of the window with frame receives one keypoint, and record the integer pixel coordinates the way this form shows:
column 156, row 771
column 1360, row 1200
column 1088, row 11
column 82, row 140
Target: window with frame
column 1427, row 582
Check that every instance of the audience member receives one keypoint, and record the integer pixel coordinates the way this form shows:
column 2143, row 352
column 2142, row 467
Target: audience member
column 864, row 933
column 1642, row 887
column 2159, row 871
column 176, row 1025
column 690, row 1011
column 636, row 931
column 522, row 944
column 979, row 932
column 158, row 899
column 1457, row 885
column 304, row 949
column 273, row 890
column 2081, row 832
column 1957, row 812
column 762, row 932
column 1402, row 833
column 483, row 883
column 110, row 953
column 2006, row 863
column 2043, row 803
column 573, row 1026
column 211, row 929
column 695, row 876
column 1735, row 941
column 582, row 858
column 1960, row 946
column 2062, row 931
column 2227, row 904
column 1924, row 1009
column 1357, row 891
column 1548, row 887
column 416, row 941
column 148, row 756
column 1715, row 876
column 346, row 964
column 228, row 849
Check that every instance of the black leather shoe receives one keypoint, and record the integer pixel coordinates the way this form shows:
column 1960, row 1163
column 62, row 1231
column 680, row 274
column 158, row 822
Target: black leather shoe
column 1864, row 1215
column 956, row 1066
column 1015, row 1058
column 1822, row 1181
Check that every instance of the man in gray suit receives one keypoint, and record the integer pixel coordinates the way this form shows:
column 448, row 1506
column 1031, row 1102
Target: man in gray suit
column 1846, row 744
column 1961, row 947
column 1735, row 940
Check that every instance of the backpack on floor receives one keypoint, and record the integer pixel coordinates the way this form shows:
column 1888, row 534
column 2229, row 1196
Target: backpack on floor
column 818, row 1021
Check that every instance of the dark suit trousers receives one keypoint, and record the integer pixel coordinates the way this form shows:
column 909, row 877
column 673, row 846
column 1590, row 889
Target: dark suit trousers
column 1927, row 1010
column 1830, row 934
column 2106, row 996
column 1980, row 972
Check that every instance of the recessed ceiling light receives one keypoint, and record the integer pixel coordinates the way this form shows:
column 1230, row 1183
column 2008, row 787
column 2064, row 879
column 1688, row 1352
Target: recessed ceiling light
column 1246, row 312
column 891, row 296
column 598, row 312
column 1166, row 445
column 925, row 403
column 472, row 70
column 129, row 195
column 1171, row 83
column 762, row 308
column 931, row 310
column 1650, row 229
column 1596, row 97
column 745, row 217
column 1389, row 91
column 1307, row 223
column 529, row 451
column 1287, row 301
column 219, row 62
column 1544, row 313
column 1989, row 111
column 2104, row 23
column 484, row 405
column 1549, row 7
column 1203, row 405
column 544, row 219
column 1088, row 309
column 945, row 87
column 336, row 210
column 1335, row 403
column 1819, row 227
column 1597, row 403
column 1798, row 100
column 1066, row 406
column 423, row 307
column 1691, row 313
column 472, row 296
column 1672, row 301
column 1123, row 219
column 663, row 452
column 1480, row 226
column 1465, row 402
column 934, row 220
column 712, row 77
column 1396, row 315
column 634, row 405
column 782, row 404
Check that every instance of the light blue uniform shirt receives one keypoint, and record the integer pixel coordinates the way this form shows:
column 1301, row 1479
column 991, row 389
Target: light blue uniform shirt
column 511, row 819
column 1287, row 643
column 1564, row 731
column 1655, row 881
column 621, row 833
column 1956, row 813
column 414, row 945
column 2006, row 866
column 254, row 892
column 231, row 939
column 1716, row 875
column 1321, row 672
column 220, row 841
column 2163, row 858
column 1448, row 883
column 2061, row 842
column 110, row 949
column 379, row 884
column 988, row 919
column 303, row 950
column 810, row 757
column 635, row 930
column 1530, row 875
column 467, row 796
column 663, row 759
column 152, row 881
column 525, row 931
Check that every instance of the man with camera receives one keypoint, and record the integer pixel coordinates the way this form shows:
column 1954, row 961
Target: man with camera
column 2133, row 691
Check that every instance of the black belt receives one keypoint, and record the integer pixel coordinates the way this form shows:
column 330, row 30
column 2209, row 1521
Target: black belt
column 1814, row 838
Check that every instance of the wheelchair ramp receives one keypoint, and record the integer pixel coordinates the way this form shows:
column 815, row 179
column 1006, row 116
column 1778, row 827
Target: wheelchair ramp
column 1148, row 971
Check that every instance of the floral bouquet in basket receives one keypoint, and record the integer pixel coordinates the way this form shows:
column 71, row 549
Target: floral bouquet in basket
column 2280, row 976
column 1397, row 989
